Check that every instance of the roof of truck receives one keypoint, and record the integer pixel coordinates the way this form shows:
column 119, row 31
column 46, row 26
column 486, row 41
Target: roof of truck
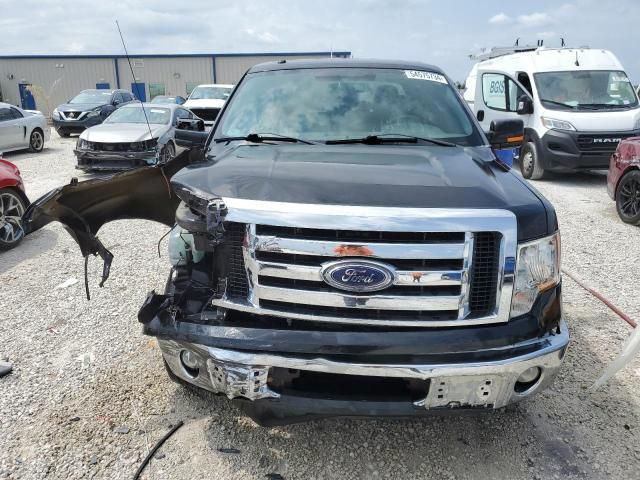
column 343, row 63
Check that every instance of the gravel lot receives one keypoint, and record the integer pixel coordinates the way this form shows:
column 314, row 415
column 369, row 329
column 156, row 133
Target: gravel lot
column 89, row 396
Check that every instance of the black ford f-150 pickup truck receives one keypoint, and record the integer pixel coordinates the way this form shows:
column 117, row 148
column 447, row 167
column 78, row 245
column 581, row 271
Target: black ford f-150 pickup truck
column 345, row 242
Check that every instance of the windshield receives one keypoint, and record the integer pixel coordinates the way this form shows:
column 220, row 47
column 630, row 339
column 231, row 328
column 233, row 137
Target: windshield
column 162, row 99
column 92, row 97
column 210, row 93
column 135, row 114
column 342, row 103
column 588, row 90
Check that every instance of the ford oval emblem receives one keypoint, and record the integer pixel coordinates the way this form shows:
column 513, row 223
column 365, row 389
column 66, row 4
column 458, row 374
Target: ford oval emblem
column 358, row 276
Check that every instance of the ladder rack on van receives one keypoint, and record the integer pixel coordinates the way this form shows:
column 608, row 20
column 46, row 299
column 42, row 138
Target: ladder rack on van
column 502, row 51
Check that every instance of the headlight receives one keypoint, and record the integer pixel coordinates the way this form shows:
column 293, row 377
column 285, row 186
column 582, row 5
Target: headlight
column 55, row 114
column 637, row 125
column 557, row 124
column 537, row 270
column 94, row 113
column 83, row 144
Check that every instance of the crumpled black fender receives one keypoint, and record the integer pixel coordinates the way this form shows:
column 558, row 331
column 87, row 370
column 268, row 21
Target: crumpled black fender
column 84, row 207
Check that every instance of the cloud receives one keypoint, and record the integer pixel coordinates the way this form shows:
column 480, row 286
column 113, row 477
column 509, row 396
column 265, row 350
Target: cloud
column 263, row 37
column 536, row 19
column 500, row 19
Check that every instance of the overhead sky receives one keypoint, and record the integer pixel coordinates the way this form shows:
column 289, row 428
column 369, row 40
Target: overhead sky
column 439, row 32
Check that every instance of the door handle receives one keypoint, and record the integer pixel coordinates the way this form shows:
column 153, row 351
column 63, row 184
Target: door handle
column 480, row 115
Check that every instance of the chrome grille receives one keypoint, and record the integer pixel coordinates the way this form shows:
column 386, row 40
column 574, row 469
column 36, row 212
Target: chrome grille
column 445, row 274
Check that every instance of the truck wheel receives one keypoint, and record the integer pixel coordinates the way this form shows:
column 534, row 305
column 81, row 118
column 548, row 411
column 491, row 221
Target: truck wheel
column 628, row 198
column 12, row 207
column 530, row 162
column 36, row 141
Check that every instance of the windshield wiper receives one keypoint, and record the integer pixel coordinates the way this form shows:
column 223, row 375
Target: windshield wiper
column 561, row 104
column 264, row 137
column 389, row 138
column 601, row 106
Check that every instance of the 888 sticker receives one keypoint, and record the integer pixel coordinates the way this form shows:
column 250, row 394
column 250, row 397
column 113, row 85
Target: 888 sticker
column 420, row 75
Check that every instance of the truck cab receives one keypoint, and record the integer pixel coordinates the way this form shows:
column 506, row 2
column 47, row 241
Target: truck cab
column 206, row 101
column 345, row 242
column 577, row 104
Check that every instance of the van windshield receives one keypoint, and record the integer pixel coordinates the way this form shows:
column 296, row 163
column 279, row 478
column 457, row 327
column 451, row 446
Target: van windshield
column 585, row 90
column 336, row 104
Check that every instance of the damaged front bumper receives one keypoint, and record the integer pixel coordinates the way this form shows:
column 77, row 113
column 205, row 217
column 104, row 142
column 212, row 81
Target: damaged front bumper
column 253, row 378
column 89, row 160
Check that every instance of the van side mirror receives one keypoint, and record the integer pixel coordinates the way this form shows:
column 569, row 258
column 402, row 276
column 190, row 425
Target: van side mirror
column 525, row 105
column 506, row 133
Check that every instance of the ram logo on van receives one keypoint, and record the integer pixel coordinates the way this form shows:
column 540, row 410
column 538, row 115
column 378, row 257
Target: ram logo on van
column 607, row 140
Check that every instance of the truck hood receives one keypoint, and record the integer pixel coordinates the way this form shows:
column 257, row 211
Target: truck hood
column 409, row 176
column 204, row 103
column 122, row 132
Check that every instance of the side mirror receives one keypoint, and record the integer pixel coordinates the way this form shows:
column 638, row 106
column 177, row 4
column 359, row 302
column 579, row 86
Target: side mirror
column 506, row 133
column 191, row 139
column 525, row 105
column 194, row 124
column 107, row 110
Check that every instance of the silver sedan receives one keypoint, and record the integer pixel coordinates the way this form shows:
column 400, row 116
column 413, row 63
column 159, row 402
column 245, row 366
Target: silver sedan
column 135, row 135
column 21, row 129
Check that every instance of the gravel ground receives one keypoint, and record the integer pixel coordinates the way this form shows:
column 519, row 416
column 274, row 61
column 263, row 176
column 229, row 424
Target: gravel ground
column 89, row 396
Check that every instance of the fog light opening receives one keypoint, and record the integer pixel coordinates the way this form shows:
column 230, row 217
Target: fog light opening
column 528, row 379
column 190, row 363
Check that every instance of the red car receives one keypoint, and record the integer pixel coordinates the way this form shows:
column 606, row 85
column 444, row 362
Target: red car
column 623, row 180
column 13, row 202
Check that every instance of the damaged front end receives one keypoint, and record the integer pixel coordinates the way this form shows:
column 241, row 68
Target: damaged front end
column 247, row 315
column 97, row 156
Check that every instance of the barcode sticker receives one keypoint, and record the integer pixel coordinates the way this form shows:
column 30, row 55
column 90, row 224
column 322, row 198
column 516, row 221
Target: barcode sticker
column 420, row 75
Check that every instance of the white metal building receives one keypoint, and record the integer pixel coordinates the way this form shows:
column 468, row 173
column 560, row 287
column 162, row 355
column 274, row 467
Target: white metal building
column 43, row 82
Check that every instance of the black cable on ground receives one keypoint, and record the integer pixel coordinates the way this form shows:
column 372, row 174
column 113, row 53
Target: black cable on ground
column 155, row 449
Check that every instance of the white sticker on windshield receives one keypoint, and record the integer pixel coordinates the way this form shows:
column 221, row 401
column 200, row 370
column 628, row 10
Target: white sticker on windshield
column 619, row 78
column 420, row 75
column 156, row 110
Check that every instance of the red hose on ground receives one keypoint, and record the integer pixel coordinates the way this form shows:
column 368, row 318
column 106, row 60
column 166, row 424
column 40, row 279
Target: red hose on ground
column 603, row 299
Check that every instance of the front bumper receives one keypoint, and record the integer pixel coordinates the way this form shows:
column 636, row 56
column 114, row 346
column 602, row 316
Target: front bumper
column 571, row 151
column 463, row 384
column 98, row 160
column 76, row 126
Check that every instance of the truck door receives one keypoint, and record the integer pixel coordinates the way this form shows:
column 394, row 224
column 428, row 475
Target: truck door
column 499, row 96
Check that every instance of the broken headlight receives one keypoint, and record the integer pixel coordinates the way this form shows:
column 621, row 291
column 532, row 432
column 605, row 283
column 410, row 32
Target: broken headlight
column 84, row 144
column 537, row 270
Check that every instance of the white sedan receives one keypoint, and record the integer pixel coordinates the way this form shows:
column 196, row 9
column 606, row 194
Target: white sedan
column 21, row 129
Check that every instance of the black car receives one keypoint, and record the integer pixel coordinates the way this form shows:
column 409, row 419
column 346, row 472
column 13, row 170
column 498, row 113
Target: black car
column 345, row 242
column 88, row 108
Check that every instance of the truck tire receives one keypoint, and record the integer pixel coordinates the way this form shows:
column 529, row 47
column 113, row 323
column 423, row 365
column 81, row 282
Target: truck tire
column 530, row 162
column 628, row 198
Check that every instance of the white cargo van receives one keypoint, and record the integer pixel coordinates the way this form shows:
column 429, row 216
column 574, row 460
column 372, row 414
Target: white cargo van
column 576, row 104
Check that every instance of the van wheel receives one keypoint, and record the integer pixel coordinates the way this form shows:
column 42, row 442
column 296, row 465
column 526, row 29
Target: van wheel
column 628, row 198
column 530, row 163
